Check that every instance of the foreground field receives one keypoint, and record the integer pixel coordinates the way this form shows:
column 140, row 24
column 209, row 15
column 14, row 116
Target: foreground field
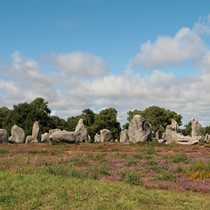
column 104, row 176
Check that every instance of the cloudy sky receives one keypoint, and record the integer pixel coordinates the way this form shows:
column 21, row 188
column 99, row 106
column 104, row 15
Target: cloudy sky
column 127, row 54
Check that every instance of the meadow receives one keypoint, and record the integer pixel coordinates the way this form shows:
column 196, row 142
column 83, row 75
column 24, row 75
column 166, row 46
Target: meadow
column 104, row 176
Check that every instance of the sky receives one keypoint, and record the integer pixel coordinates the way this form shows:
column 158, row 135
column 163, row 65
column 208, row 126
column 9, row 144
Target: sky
column 126, row 54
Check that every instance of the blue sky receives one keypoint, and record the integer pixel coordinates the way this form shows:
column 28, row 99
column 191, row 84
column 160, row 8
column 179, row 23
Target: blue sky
column 129, row 54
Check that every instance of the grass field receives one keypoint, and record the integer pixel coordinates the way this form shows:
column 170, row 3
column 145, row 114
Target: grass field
column 104, row 176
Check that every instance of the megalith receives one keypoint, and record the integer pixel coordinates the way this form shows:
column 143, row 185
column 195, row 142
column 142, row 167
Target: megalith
column 139, row 130
column 17, row 135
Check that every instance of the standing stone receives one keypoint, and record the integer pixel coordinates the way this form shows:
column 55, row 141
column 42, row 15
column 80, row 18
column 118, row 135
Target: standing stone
column 17, row 135
column 196, row 128
column 158, row 135
column 106, row 135
column 36, row 134
column 174, row 125
column 124, row 138
column 207, row 138
column 3, row 136
column 28, row 139
column 139, row 130
column 97, row 138
column 45, row 138
column 81, row 132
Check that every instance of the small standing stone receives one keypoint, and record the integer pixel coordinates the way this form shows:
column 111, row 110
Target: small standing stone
column 3, row 136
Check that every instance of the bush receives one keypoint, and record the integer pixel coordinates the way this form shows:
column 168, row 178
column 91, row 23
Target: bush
column 179, row 158
column 199, row 170
column 131, row 177
column 3, row 151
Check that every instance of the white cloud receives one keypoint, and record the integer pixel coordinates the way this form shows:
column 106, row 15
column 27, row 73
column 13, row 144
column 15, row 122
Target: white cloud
column 78, row 64
column 166, row 50
column 9, row 87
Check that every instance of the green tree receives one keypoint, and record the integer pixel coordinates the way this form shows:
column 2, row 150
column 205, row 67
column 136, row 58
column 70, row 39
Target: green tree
column 107, row 118
column 89, row 120
column 160, row 117
column 72, row 122
column 4, row 117
column 88, row 116
column 186, row 131
column 25, row 114
column 206, row 130
column 56, row 122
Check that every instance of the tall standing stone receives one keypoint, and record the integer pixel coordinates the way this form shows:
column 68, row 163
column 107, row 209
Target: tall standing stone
column 139, row 130
column 81, row 132
column 17, row 135
column 36, row 133
column 196, row 128
column 3, row 136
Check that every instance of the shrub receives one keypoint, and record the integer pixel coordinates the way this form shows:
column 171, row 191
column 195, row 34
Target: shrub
column 78, row 160
column 149, row 151
column 3, row 151
column 164, row 175
column 179, row 158
column 37, row 151
column 131, row 177
column 199, row 170
column 137, row 156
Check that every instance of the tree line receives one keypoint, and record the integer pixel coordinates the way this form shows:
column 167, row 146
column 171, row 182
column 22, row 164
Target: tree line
column 25, row 114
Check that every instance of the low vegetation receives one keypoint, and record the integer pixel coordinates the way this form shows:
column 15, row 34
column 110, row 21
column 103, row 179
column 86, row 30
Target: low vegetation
column 104, row 176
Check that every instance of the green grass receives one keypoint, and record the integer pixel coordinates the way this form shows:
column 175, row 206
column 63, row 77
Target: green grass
column 179, row 158
column 47, row 191
column 37, row 151
column 3, row 151
column 70, row 177
column 131, row 177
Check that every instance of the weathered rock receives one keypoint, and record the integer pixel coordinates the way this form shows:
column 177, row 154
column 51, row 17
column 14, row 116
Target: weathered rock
column 28, row 139
column 158, row 135
column 97, row 138
column 196, row 128
column 3, row 136
column 139, row 130
column 36, row 133
column 124, row 138
column 174, row 125
column 161, row 141
column 188, row 140
column 54, row 130
column 163, row 135
column 171, row 136
column 81, row 132
column 63, row 136
column 45, row 138
column 106, row 135
column 17, row 135
column 207, row 138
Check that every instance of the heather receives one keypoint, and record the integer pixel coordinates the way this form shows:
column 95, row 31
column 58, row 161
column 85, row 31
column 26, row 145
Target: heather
column 104, row 176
